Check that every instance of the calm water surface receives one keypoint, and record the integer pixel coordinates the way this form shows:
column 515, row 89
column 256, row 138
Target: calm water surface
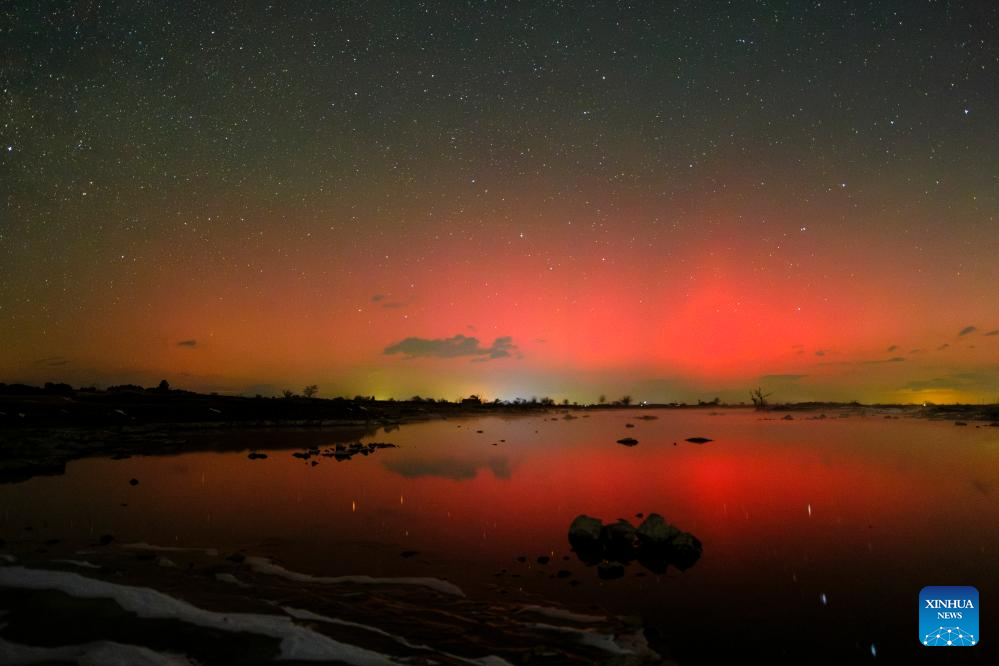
column 817, row 534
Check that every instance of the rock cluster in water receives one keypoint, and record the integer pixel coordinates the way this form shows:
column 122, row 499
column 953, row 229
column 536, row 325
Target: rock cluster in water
column 343, row 451
column 655, row 544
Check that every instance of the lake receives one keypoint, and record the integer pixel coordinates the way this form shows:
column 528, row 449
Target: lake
column 817, row 534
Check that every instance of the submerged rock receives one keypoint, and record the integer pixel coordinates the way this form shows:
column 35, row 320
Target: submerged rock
column 698, row 440
column 257, row 456
column 628, row 441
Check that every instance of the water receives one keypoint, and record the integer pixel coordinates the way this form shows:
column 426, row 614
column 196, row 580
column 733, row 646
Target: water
column 817, row 534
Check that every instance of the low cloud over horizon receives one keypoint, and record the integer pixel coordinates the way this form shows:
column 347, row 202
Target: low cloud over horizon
column 453, row 347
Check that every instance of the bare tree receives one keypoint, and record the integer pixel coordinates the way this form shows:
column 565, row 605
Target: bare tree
column 759, row 398
column 288, row 393
column 602, row 399
column 310, row 391
column 626, row 400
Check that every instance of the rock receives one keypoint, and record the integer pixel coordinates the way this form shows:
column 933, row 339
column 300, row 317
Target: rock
column 619, row 535
column 238, row 558
column 544, row 559
column 686, row 550
column 585, row 530
column 133, row 482
column 303, row 456
column 655, row 532
column 257, row 456
column 629, row 425
column 610, row 570
column 960, row 423
column 105, row 539
column 698, row 440
column 628, row 441
column 409, row 553
column 787, row 417
column 563, row 573
column 522, row 558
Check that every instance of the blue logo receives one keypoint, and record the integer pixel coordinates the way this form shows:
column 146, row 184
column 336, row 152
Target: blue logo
column 948, row 616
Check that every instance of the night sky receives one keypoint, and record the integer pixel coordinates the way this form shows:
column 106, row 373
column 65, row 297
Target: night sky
column 673, row 200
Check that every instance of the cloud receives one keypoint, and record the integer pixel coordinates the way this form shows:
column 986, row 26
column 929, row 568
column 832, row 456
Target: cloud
column 892, row 348
column 52, row 361
column 821, row 352
column 915, row 351
column 967, row 330
column 781, row 378
column 967, row 381
column 991, row 333
column 190, row 344
column 377, row 297
column 943, row 346
column 454, row 347
column 893, row 359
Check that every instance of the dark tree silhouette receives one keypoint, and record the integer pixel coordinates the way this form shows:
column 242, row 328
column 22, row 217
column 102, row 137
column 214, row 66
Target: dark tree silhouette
column 759, row 398
column 164, row 386
column 310, row 391
column 626, row 400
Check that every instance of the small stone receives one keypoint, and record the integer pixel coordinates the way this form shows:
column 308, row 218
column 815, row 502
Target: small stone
column 610, row 570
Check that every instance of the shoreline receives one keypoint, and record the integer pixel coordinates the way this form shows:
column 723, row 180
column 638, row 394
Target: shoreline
column 41, row 432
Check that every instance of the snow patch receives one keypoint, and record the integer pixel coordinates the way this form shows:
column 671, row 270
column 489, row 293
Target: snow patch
column 142, row 545
column 265, row 566
column 79, row 563
column 297, row 642
column 101, row 653
column 562, row 614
